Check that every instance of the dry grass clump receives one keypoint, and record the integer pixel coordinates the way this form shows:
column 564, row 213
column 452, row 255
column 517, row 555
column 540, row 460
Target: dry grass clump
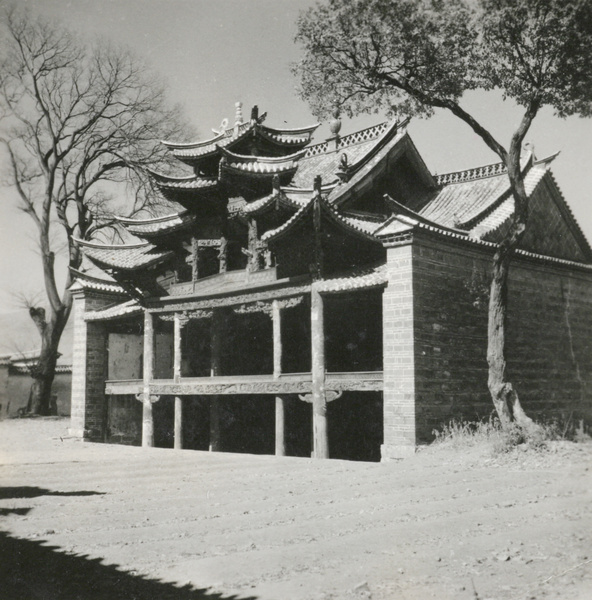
column 460, row 433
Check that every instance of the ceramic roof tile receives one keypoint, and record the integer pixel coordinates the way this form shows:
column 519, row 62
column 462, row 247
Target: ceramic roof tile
column 321, row 160
column 361, row 279
column 296, row 137
column 125, row 257
column 86, row 281
column 128, row 308
column 262, row 164
column 458, row 203
column 158, row 225
column 361, row 226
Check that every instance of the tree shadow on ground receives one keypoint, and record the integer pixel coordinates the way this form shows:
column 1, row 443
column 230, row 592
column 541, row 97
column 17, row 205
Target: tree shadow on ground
column 31, row 570
column 4, row 512
column 35, row 492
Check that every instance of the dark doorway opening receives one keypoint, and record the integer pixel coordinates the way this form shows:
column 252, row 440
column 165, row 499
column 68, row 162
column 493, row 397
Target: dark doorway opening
column 124, row 420
column 356, row 426
column 298, row 427
column 247, row 424
column 353, row 331
column 196, row 422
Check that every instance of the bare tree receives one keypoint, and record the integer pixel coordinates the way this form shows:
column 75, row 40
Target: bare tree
column 77, row 122
column 412, row 56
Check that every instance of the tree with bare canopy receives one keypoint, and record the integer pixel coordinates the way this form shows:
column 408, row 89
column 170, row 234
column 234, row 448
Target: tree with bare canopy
column 77, row 122
column 412, row 56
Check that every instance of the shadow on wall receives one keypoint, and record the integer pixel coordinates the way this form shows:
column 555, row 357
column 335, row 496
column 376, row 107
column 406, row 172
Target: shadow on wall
column 31, row 569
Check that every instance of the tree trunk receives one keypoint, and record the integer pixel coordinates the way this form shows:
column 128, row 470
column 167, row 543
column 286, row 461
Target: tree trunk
column 43, row 372
column 504, row 396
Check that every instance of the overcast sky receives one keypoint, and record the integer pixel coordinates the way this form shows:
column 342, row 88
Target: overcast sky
column 215, row 52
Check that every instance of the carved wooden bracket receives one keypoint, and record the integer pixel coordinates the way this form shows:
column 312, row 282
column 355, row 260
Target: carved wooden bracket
column 330, row 395
column 151, row 397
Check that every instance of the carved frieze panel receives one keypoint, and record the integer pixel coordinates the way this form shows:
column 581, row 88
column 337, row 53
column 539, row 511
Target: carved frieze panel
column 186, row 315
column 280, row 293
column 122, row 388
column 211, row 388
column 355, row 385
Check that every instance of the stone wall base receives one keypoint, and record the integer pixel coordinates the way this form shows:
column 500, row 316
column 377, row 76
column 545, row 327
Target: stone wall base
column 389, row 452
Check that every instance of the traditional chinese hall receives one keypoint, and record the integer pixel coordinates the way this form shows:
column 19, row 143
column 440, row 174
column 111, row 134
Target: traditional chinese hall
column 325, row 298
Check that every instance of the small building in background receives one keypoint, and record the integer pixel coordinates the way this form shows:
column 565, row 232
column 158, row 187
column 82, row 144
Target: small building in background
column 15, row 385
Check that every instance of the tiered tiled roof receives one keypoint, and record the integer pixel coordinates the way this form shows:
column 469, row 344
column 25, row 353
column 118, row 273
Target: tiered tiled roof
column 253, row 169
column 124, row 257
column 86, row 281
column 197, row 150
column 189, row 182
column 290, row 137
column 356, row 225
column 157, row 226
column 262, row 164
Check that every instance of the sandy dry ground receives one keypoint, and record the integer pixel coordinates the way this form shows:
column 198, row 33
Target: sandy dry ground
column 88, row 521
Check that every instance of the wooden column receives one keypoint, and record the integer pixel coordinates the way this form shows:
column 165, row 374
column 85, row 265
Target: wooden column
column 280, row 443
column 216, row 333
column 194, row 259
column 177, row 357
column 319, row 400
column 147, row 418
column 178, row 423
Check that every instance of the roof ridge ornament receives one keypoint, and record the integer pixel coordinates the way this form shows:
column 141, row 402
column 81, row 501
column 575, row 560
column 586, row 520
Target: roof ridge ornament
column 223, row 126
column 344, row 168
column 334, row 128
column 238, row 117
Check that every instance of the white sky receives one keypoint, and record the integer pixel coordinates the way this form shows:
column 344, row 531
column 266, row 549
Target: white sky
column 215, row 52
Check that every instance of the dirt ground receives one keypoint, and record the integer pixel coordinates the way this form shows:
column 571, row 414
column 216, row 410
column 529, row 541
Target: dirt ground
column 94, row 521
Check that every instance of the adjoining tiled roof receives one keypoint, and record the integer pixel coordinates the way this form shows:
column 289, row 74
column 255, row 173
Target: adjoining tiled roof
column 158, row 225
column 468, row 196
column 94, row 283
column 459, row 203
column 125, row 309
column 489, row 221
column 358, row 147
column 357, row 280
column 125, row 257
column 261, row 164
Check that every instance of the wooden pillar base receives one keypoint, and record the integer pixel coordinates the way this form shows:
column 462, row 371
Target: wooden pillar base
column 215, row 441
column 280, row 414
column 147, row 424
column 178, row 443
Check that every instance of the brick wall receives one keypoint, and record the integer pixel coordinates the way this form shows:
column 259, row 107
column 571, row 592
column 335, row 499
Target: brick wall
column 450, row 303
column 435, row 340
column 548, row 346
column 398, row 355
column 89, row 367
